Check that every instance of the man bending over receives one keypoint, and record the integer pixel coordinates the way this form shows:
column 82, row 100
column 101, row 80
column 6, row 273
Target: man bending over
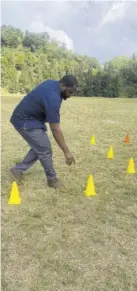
column 40, row 106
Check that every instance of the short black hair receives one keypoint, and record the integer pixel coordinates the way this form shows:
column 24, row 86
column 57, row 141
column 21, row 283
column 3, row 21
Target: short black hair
column 69, row 81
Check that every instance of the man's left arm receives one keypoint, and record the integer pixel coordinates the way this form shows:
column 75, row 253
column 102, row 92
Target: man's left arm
column 53, row 118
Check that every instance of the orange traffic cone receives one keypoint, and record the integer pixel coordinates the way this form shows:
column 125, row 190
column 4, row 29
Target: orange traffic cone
column 126, row 140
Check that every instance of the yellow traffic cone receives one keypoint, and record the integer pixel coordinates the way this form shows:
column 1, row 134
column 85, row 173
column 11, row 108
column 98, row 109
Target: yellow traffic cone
column 14, row 196
column 93, row 140
column 131, row 167
column 110, row 154
column 90, row 189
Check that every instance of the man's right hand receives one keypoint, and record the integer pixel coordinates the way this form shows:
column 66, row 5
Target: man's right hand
column 69, row 158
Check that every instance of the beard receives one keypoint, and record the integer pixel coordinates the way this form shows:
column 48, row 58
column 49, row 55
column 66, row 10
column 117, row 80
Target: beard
column 64, row 95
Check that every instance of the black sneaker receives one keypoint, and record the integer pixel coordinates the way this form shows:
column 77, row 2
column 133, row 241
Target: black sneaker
column 16, row 174
column 54, row 183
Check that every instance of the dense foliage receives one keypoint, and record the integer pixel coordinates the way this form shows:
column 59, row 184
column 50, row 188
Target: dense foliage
column 29, row 58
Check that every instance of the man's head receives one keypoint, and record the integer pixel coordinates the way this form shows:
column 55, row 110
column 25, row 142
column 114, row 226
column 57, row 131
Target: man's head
column 68, row 86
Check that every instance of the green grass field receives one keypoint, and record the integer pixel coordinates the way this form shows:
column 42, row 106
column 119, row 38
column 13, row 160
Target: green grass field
column 62, row 240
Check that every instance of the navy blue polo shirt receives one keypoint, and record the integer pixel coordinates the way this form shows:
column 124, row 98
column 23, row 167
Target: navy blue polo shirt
column 41, row 105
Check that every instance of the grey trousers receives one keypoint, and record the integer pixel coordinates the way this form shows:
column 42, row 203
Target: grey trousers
column 40, row 150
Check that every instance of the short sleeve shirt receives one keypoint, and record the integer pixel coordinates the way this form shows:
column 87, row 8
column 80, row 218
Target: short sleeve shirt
column 40, row 106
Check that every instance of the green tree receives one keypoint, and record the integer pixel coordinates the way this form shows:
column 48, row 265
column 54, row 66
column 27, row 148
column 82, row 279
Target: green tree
column 11, row 37
column 30, row 58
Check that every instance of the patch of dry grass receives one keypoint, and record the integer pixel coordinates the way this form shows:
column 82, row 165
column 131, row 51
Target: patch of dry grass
column 62, row 241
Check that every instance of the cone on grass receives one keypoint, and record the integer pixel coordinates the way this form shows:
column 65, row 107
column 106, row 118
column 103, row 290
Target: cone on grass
column 14, row 195
column 93, row 140
column 131, row 167
column 127, row 140
column 90, row 189
column 110, row 153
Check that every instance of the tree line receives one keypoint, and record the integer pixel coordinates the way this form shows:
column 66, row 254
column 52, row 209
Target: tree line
column 30, row 58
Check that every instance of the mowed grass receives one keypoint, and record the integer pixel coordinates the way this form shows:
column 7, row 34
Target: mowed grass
column 61, row 240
